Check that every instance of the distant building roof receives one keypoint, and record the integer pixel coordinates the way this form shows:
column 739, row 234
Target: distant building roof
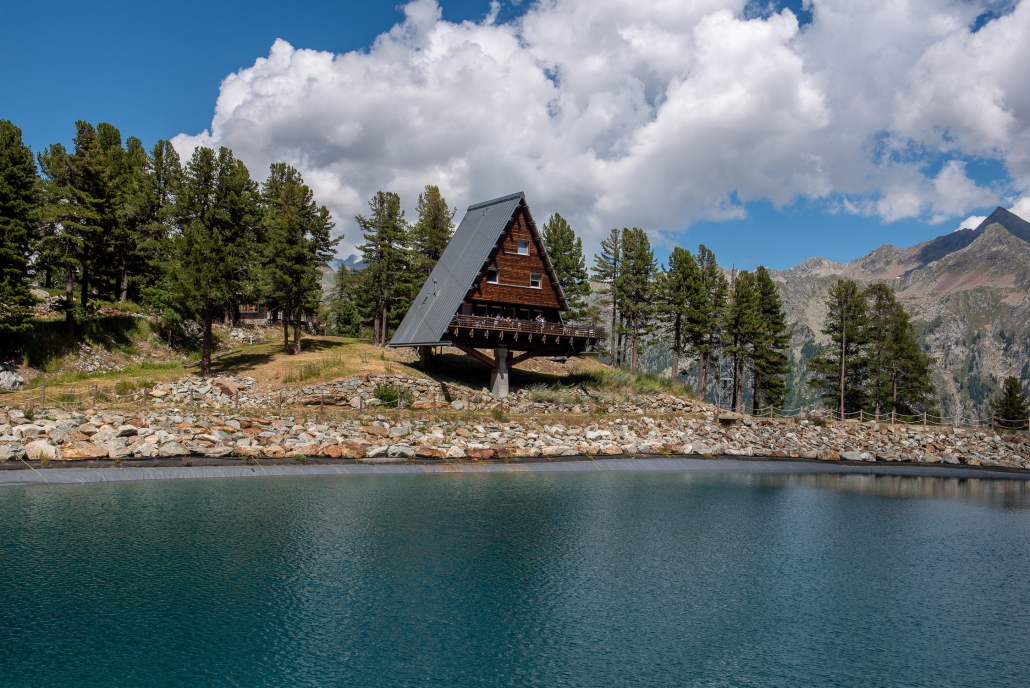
column 455, row 273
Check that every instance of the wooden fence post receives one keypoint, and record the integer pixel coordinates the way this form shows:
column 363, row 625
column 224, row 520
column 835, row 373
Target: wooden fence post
column 924, row 419
column 145, row 390
column 237, row 395
column 42, row 398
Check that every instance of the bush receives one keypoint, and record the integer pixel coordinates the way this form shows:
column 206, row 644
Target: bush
column 391, row 394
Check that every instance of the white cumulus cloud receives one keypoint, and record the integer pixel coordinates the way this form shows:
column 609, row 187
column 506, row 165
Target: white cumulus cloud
column 652, row 113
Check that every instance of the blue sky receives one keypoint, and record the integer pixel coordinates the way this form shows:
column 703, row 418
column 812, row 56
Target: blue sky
column 155, row 71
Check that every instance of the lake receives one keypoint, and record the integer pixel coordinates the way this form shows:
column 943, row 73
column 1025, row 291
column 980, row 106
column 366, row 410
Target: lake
column 651, row 579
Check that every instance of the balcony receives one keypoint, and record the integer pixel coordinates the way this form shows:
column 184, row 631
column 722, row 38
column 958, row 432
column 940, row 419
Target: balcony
column 522, row 334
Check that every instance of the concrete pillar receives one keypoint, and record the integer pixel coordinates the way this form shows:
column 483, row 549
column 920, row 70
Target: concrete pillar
column 499, row 375
column 425, row 357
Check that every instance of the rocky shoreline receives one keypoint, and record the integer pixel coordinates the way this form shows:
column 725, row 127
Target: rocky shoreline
column 474, row 428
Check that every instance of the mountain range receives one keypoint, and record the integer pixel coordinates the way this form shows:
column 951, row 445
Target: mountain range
column 968, row 293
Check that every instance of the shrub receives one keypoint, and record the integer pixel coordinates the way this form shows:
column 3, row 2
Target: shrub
column 391, row 394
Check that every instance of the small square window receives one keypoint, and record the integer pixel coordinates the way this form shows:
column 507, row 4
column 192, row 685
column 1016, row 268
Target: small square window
column 523, row 247
column 534, row 280
column 481, row 310
column 492, row 275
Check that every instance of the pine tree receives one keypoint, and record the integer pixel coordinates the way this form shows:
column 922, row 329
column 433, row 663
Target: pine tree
column 432, row 232
column 297, row 244
column 898, row 372
column 607, row 265
column 343, row 305
column 681, row 302
column 214, row 249
column 840, row 370
column 743, row 330
column 769, row 381
column 565, row 251
column 19, row 205
column 1010, row 407
column 635, row 288
column 386, row 281
column 705, row 332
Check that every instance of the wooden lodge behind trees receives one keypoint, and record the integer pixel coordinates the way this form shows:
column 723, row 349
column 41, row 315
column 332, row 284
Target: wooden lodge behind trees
column 494, row 288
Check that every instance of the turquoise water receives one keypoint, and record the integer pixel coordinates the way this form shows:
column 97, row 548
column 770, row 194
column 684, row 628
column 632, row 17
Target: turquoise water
column 530, row 579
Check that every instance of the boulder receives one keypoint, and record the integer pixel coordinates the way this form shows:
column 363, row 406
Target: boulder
column 81, row 451
column 828, row 455
column 117, row 451
column 172, row 449
column 11, row 452
column 226, row 386
column 429, row 452
column 127, row 430
column 851, row 456
column 401, row 450
column 457, row 404
column 455, row 453
column 351, row 450
column 375, row 452
column 26, row 430
column 41, row 451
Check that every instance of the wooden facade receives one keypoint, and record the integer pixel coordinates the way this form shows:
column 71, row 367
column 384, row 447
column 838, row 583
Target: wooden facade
column 514, row 284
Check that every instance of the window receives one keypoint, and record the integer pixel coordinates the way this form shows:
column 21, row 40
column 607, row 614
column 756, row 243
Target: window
column 523, row 314
column 248, row 308
column 523, row 247
column 534, row 280
column 481, row 310
column 492, row 275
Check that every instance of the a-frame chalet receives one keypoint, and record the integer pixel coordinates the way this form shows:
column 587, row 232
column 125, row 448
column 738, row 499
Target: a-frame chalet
column 494, row 288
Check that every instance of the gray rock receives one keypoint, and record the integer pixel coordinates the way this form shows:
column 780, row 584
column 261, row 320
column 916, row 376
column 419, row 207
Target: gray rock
column 41, row 451
column 116, row 450
column 126, row 430
column 375, row 452
column 11, row 452
column 172, row 449
column 457, row 404
column 104, row 436
column 401, row 450
column 399, row 431
column 383, row 459
column 851, row 456
column 27, row 430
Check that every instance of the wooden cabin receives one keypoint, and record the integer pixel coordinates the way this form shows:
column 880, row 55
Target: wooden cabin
column 494, row 288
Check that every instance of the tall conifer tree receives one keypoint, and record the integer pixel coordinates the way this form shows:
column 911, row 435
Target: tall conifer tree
column 297, row 243
column 433, row 230
column 565, row 250
column 706, row 332
column 214, row 250
column 841, row 369
column 769, row 382
column 743, row 330
column 607, row 266
column 898, row 372
column 19, row 205
column 386, row 284
column 681, row 303
column 635, row 288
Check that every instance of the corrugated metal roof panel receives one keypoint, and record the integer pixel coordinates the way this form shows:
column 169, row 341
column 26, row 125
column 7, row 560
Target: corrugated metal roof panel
column 438, row 300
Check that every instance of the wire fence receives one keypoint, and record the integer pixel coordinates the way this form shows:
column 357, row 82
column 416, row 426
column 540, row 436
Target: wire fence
column 897, row 418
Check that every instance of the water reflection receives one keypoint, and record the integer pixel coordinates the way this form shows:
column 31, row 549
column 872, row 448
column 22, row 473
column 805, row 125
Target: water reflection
column 996, row 493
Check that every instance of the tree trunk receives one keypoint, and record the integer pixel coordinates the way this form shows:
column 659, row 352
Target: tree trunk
column 69, row 298
column 84, row 291
column 755, row 389
column 123, row 286
column 296, row 334
column 702, row 374
column 286, row 331
column 205, row 349
column 613, row 334
column 843, row 349
column 677, row 344
column 48, row 276
column 738, row 368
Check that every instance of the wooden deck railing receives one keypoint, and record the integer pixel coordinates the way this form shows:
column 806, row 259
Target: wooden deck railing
column 527, row 326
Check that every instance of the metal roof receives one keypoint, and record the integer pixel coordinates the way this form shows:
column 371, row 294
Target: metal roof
column 455, row 273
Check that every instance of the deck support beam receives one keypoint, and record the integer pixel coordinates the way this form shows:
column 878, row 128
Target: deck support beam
column 499, row 374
